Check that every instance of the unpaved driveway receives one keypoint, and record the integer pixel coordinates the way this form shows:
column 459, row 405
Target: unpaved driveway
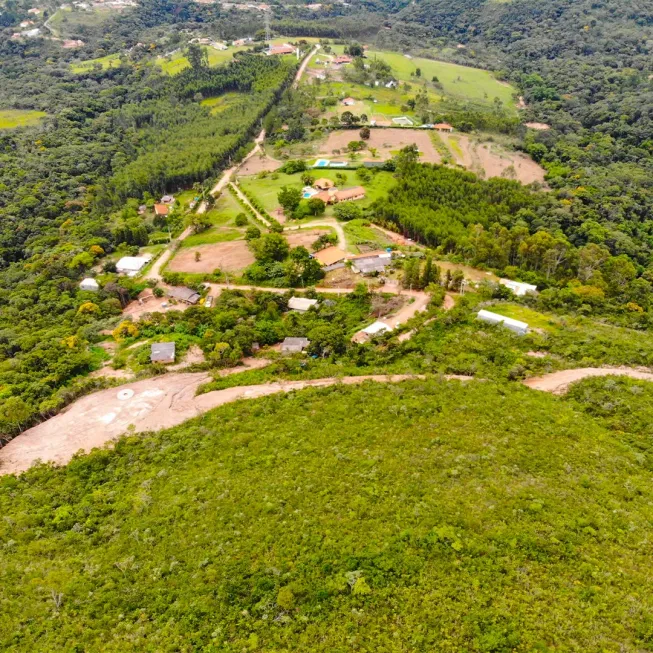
column 149, row 405
column 558, row 382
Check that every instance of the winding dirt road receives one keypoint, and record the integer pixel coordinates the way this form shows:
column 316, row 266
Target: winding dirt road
column 558, row 382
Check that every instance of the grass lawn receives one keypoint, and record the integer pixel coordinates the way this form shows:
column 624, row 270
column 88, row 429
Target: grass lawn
column 71, row 24
column 11, row 118
column 220, row 235
column 110, row 61
column 266, row 189
column 222, row 102
column 222, row 216
column 534, row 319
column 177, row 62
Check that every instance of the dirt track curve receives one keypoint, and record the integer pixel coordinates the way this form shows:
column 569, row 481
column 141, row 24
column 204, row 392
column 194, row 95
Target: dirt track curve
column 149, row 405
column 558, row 382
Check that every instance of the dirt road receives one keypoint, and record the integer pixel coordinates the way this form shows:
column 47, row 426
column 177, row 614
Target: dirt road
column 244, row 199
column 150, row 405
column 305, row 63
column 558, row 382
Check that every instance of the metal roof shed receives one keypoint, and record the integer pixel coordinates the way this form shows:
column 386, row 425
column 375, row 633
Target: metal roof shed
column 301, row 304
column 163, row 352
column 520, row 328
column 294, row 345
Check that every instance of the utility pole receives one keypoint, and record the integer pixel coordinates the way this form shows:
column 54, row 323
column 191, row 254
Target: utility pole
column 268, row 34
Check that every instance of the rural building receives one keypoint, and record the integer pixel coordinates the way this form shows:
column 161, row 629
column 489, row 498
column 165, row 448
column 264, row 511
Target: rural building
column 280, row 49
column 349, row 102
column 183, row 294
column 162, row 352
column 27, row 23
column 240, row 42
column 391, row 84
column 323, row 184
column 89, row 284
column 161, row 209
column 301, row 304
column 329, row 255
column 520, row 328
column 69, row 44
column 371, row 263
column 520, row 289
column 342, row 59
column 350, row 194
column 376, row 327
column 325, row 196
column 168, row 199
column 34, row 11
column 132, row 265
column 443, row 127
column 294, row 345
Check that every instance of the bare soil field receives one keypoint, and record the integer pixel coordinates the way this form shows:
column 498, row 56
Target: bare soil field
column 150, row 405
column 539, row 126
column 304, row 237
column 385, row 141
column 258, row 163
column 230, row 257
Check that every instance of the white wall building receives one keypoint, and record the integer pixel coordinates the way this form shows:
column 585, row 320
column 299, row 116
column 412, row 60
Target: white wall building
column 132, row 265
column 89, row 284
column 301, row 304
column 520, row 328
column 518, row 287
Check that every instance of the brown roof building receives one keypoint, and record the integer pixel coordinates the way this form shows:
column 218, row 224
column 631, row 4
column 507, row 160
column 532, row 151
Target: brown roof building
column 443, row 127
column 329, row 255
column 323, row 183
column 161, row 209
column 355, row 193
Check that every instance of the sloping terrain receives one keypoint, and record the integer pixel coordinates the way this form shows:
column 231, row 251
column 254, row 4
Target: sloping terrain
column 422, row 516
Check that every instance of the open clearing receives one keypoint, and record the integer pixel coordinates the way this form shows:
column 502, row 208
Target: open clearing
column 305, row 237
column 110, row 61
column 229, row 257
column 12, row 118
column 559, row 382
column 150, row 405
column 259, row 163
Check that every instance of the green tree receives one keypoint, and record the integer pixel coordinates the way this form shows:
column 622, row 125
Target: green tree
column 289, row 198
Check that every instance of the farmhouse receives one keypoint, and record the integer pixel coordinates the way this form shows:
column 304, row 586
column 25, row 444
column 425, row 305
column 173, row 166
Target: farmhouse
column 132, row 265
column 349, row 194
column 161, row 209
column 168, row 199
column 280, row 49
column 162, row 352
column 301, row 304
column 520, row 289
column 89, row 284
column 375, row 262
column 349, row 102
column 443, row 127
column 323, row 183
column 325, row 196
column 69, row 44
column 182, row 294
column 240, row 42
column 294, row 345
column 520, row 328
column 329, row 255
column 342, row 59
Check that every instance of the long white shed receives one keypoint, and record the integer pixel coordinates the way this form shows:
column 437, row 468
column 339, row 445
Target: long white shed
column 518, row 287
column 520, row 328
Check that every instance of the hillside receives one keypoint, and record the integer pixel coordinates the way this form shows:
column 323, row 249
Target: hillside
column 424, row 516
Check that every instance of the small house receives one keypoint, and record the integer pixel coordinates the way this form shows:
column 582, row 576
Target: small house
column 375, row 328
column 294, row 345
column 371, row 263
column 342, row 59
column 349, row 102
column 391, row 84
column 323, row 184
column 162, row 352
column 161, row 209
column 168, row 199
column 350, row 194
column 132, row 265
column 443, row 127
column 301, row 304
column 519, row 288
column 183, row 294
column 520, row 328
column 89, row 284
column 280, row 49
column 325, row 196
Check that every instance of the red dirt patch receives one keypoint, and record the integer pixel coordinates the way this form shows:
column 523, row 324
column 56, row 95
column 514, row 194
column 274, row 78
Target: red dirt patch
column 230, row 257
column 257, row 163
column 304, row 238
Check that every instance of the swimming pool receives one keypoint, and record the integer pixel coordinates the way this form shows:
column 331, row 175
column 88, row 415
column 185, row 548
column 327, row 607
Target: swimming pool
column 321, row 163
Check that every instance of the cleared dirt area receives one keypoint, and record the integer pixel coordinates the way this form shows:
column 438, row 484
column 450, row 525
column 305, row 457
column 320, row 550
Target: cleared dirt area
column 230, row 257
column 150, row 405
column 257, row 163
column 304, row 237
column 558, row 382
column 385, row 141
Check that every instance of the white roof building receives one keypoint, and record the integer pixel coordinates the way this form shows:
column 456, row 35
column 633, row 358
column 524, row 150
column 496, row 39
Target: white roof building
column 376, row 327
column 301, row 304
column 132, row 265
column 520, row 328
column 518, row 287
column 89, row 284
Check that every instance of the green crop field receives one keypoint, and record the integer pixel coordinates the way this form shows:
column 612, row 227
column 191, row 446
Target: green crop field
column 109, row 61
column 177, row 62
column 424, row 516
column 11, row 118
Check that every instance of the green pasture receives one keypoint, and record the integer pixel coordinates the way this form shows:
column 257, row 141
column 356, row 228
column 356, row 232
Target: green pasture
column 66, row 23
column 362, row 232
column 178, row 61
column 222, row 217
column 11, row 118
column 534, row 319
column 109, row 61
column 222, row 102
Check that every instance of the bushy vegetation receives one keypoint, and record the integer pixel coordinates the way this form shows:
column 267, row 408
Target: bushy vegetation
column 425, row 516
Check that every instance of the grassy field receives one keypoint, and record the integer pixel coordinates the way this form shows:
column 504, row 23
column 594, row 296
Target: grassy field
column 110, row 61
column 222, row 217
column 175, row 63
column 267, row 188
column 534, row 319
column 66, row 23
column 222, row 102
column 11, row 118
column 426, row 516
column 361, row 232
